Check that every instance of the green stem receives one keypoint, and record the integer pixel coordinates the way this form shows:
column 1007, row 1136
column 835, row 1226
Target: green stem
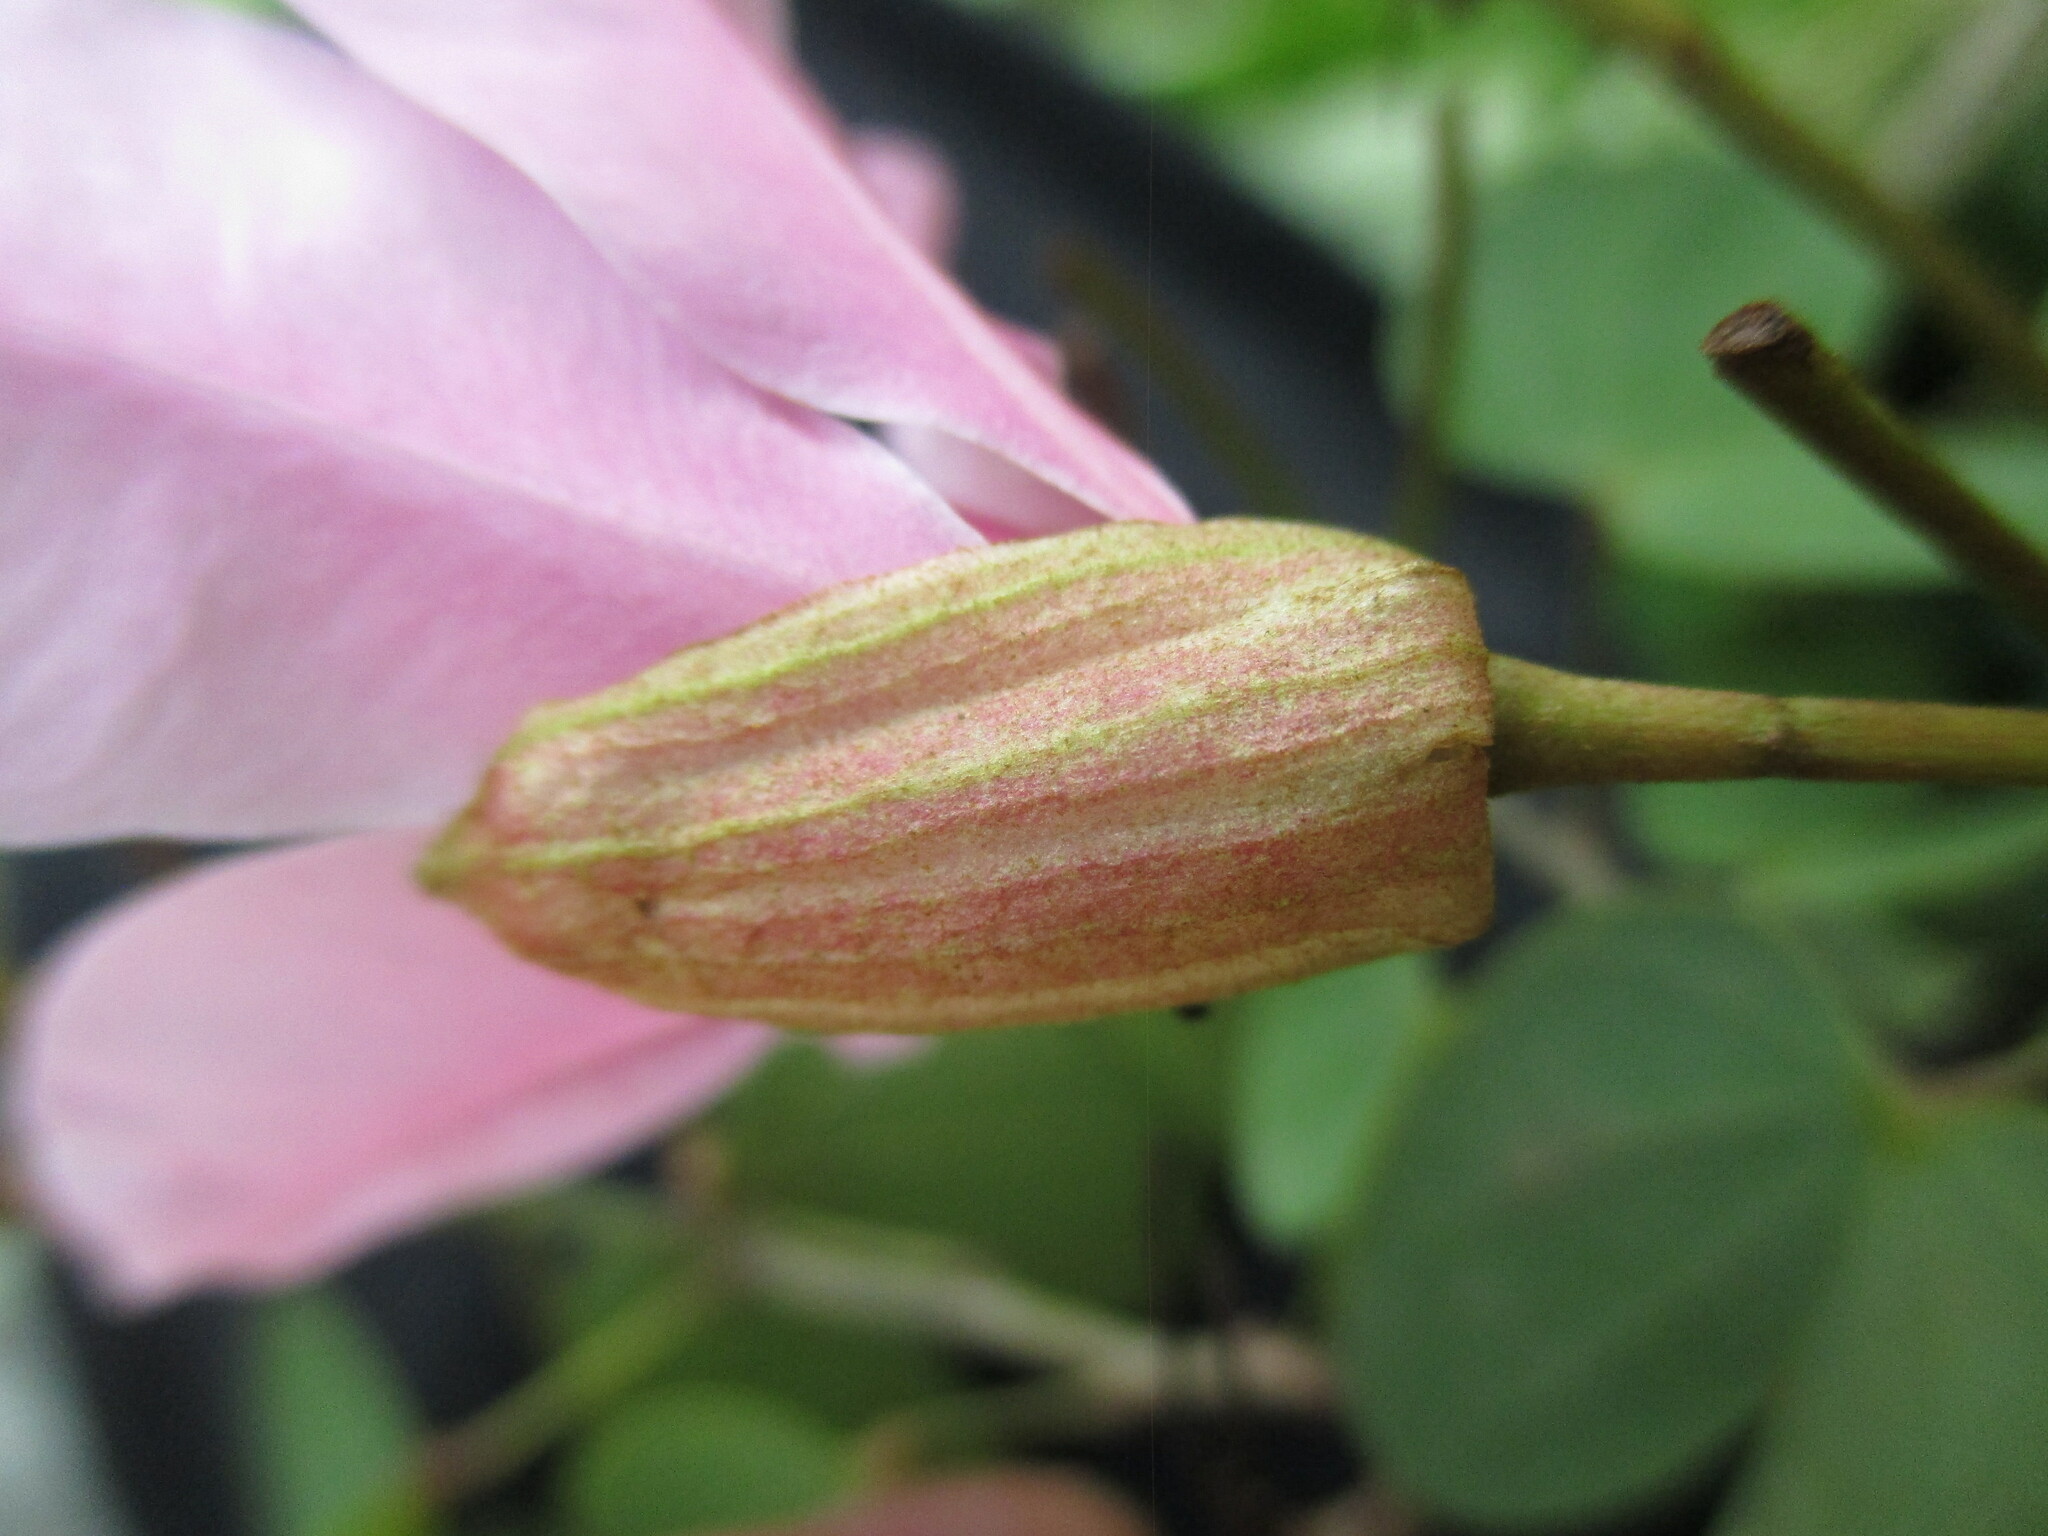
column 2020, row 1073
column 620, row 1353
column 1093, row 282
column 907, row 1283
column 1951, row 121
column 987, row 1422
column 1698, row 65
column 1419, row 501
column 868, row 1277
column 875, row 1277
column 1779, row 364
column 1555, row 728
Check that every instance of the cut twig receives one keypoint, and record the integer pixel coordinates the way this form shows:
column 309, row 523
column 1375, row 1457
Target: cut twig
column 1977, row 309
column 1780, row 365
column 1419, row 502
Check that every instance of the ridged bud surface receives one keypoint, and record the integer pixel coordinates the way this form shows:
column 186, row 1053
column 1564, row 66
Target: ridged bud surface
column 1128, row 767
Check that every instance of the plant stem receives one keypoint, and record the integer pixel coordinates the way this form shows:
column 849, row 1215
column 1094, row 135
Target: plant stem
column 1094, row 283
column 1780, row 365
column 988, row 1422
column 1103, row 1366
column 1953, row 118
column 1699, row 66
column 905, row 1283
column 1419, row 501
column 2021, row 1072
column 620, row 1353
column 1554, row 728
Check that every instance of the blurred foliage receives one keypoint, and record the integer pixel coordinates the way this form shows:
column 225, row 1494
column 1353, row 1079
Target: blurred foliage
column 1917, row 1401
column 1748, row 507
column 588, row 1251
column 681, row 1459
column 1323, row 1071
column 1592, row 285
column 51, row 1483
column 1071, row 1156
column 335, row 1430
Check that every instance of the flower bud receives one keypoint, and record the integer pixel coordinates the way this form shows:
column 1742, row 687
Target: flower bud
column 1128, row 767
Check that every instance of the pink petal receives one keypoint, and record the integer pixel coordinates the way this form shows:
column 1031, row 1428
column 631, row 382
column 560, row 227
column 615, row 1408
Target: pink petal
column 985, row 488
column 988, row 490
column 877, row 1050
column 706, row 174
column 256, row 1070
column 1020, row 1502
column 912, row 184
column 767, row 22
column 328, row 445
column 1040, row 352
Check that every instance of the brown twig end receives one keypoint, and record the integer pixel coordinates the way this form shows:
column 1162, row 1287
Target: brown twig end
column 1762, row 331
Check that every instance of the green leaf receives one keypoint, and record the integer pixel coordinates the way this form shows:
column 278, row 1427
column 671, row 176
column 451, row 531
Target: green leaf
column 1034, row 1146
column 1720, row 826
column 335, row 1433
column 1911, row 989
column 1842, row 845
column 2008, row 465
column 1857, row 644
column 1286, row 44
column 845, row 1376
column 1592, row 286
column 700, row 1458
column 1920, row 1405
column 1178, row 1063
column 1604, row 1218
column 1755, row 507
column 1323, row 1065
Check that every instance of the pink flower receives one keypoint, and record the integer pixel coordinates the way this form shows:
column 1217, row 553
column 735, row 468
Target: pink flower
column 356, row 395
